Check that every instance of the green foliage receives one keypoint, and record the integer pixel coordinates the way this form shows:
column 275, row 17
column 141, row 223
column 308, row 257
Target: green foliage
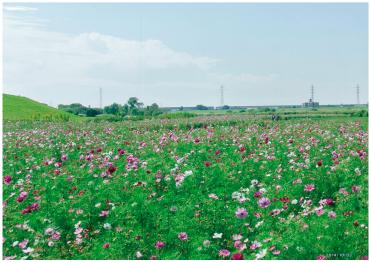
column 108, row 118
column 177, row 115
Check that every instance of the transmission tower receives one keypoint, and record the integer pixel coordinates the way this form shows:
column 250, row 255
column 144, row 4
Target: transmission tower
column 100, row 97
column 312, row 93
column 221, row 96
column 357, row 90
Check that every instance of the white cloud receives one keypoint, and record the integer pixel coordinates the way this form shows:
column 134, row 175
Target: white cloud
column 12, row 8
column 52, row 66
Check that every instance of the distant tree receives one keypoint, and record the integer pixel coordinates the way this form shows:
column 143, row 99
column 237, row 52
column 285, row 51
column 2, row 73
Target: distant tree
column 152, row 110
column 113, row 109
column 134, row 105
column 91, row 112
column 74, row 108
column 124, row 110
column 181, row 108
column 226, row 107
column 201, row 107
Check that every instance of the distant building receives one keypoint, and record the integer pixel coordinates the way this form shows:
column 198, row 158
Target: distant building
column 311, row 104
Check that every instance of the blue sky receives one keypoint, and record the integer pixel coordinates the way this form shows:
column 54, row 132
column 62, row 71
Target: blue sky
column 179, row 54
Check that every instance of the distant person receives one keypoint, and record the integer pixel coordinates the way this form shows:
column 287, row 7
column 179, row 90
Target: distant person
column 275, row 117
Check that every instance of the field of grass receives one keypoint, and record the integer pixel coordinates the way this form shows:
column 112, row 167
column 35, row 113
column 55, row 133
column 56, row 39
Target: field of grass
column 323, row 110
column 22, row 108
column 223, row 187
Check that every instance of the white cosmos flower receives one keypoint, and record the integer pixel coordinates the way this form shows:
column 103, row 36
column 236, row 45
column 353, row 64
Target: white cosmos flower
column 107, row 226
column 261, row 254
column 28, row 250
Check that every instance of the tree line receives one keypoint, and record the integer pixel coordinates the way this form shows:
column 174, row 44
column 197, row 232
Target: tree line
column 133, row 107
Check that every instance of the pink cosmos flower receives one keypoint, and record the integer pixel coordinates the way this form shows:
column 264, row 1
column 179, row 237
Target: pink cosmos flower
column 23, row 244
column 49, row 231
column 321, row 257
column 343, row 191
column 264, row 202
column 332, row 214
column 56, row 236
column 106, row 245
column 237, row 237
column 22, row 196
column 239, row 245
column 320, row 211
column 64, row 157
column 104, row 213
column 255, row 245
column 356, row 189
column 241, row 213
column 159, row 244
column 183, row 236
column 224, row 253
column 309, row 187
column 34, row 206
column 78, row 231
column 10, row 257
column 213, row 196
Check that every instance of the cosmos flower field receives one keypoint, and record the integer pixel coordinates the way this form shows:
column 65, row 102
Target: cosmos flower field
column 186, row 189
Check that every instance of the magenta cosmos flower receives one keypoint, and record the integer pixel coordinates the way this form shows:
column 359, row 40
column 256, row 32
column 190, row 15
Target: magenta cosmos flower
column 264, row 202
column 159, row 244
column 183, row 236
column 7, row 179
column 237, row 256
column 241, row 213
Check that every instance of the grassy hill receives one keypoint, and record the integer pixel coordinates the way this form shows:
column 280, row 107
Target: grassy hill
column 23, row 108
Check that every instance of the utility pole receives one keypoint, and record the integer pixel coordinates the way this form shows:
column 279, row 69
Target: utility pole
column 357, row 90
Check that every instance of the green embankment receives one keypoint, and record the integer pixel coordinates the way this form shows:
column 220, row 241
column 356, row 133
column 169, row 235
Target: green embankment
column 22, row 108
